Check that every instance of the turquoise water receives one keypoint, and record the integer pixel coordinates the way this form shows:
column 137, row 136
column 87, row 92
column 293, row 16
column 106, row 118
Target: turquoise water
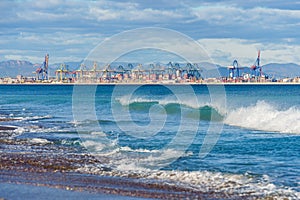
column 250, row 133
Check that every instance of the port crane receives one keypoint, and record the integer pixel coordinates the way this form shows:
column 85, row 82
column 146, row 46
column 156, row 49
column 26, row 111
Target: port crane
column 62, row 72
column 193, row 71
column 256, row 69
column 234, row 67
column 42, row 72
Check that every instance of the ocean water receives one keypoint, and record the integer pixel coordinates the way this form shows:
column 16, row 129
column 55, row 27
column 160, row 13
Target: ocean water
column 234, row 139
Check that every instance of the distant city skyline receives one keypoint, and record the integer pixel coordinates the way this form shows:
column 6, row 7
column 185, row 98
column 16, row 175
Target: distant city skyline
column 227, row 30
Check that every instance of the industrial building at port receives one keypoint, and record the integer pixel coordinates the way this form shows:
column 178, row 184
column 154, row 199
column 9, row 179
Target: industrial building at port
column 170, row 73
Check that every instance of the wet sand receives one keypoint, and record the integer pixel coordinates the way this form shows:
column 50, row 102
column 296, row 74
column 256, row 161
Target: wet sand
column 14, row 169
column 18, row 191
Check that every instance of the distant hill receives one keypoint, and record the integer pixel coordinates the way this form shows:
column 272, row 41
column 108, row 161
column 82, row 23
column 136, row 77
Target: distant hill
column 13, row 68
column 274, row 70
column 282, row 70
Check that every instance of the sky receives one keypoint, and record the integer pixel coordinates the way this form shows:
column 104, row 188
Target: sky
column 70, row 29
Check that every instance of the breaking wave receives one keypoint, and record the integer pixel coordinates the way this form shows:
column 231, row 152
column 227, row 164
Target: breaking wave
column 265, row 117
column 188, row 108
column 261, row 116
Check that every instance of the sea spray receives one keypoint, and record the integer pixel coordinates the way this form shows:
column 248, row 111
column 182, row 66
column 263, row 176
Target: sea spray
column 265, row 117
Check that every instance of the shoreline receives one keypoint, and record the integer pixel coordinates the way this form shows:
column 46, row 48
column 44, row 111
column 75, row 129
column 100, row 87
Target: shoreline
column 52, row 166
column 56, row 166
column 25, row 170
column 20, row 191
column 158, row 83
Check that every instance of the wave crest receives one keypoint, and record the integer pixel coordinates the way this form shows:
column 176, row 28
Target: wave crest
column 265, row 117
column 194, row 110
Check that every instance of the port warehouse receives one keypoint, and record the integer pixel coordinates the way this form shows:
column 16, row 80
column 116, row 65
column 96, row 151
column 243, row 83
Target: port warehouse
column 169, row 73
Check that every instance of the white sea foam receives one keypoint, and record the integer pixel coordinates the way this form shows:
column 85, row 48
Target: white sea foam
column 128, row 149
column 226, row 183
column 260, row 116
column 70, row 142
column 98, row 144
column 38, row 129
column 266, row 117
column 98, row 133
column 203, row 181
column 20, row 130
column 129, row 162
column 40, row 141
column 127, row 100
column 33, row 118
column 94, row 146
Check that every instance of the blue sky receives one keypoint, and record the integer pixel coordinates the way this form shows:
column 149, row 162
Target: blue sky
column 227, row 30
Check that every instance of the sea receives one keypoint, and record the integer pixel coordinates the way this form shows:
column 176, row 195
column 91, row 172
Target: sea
column 237, row 140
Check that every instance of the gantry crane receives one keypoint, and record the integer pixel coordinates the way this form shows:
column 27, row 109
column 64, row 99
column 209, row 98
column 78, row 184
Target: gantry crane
column 256, row 69
column 42, row 72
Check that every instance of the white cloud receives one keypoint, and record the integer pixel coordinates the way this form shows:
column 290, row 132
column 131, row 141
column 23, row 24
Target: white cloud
column 24, row 57
column 87, row 11
column 126, row 11
column 50, row 4
column 149, row 38
column 261, row 17
column 103, row 14
column 224, row 51
column 70, row 29
column 150, row 14
column 60, row 46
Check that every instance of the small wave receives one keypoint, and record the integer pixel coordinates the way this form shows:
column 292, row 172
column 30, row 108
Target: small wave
column 40, row 141
column 235, row 185
column 265, row 117
column 20, row 130
column 242, row 185
column 98, row 144
column 128, row 149
column 41, row 129
column 33, row 118
column 70, row 142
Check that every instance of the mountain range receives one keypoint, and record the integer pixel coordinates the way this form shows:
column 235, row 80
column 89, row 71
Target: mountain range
column 12, row 68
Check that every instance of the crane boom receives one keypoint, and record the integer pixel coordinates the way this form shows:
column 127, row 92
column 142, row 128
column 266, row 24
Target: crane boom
column 45, row 70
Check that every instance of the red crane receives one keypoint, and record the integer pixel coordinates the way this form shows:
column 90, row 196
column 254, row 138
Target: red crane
column 256, row 66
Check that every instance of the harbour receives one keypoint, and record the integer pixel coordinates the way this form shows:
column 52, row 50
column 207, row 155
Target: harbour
column 171, row 73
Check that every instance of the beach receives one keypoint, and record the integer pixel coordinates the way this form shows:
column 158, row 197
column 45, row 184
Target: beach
column 28, row 191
